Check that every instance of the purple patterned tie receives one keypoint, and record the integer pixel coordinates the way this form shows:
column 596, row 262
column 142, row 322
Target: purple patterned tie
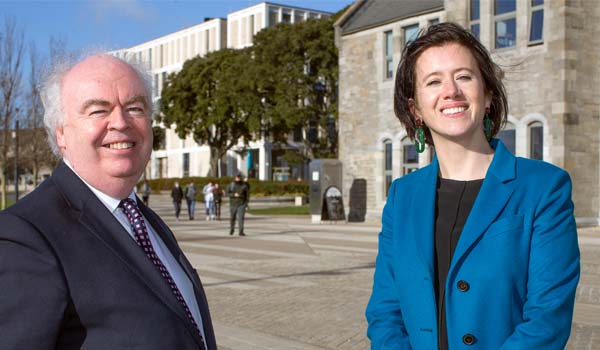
column 131, row 210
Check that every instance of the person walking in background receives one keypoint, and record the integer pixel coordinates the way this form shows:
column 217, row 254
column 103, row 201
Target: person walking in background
column 238, row 200
column 478, row 249
column 218, row 198
column 209, row 200
column 177, row 196
column 84, row 264
column 146, row 192
column 190, row 198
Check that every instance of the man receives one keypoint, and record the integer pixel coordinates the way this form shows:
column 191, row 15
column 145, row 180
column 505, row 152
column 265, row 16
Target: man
column 190, row 198
column 73, row 274
column 177, row 196
column 238, row 200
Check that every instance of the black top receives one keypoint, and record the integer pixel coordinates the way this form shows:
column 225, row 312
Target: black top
column 453, row 205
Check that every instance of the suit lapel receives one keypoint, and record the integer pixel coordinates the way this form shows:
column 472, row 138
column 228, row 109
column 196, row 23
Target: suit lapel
column 97, row 219
column 169, row 239
column 163, row 231
column 422, row 214
column 493, row 196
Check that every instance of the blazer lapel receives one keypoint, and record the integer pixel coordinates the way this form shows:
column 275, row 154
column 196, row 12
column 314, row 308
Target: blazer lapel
column 96, row 218
column 493, row 195
column 422, row 214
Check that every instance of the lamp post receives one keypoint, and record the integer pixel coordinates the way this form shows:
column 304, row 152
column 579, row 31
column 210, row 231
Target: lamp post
column 16, row 136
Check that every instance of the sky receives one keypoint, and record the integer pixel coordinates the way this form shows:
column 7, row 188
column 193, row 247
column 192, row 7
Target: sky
column 115, row 24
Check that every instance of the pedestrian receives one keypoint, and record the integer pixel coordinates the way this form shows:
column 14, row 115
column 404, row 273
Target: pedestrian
column 146, row 189
column 479, row 248
column 84, row 264
column 209, row 200
column 177, row 196
column 190, row 198
column 238, row 200
column 218, row 198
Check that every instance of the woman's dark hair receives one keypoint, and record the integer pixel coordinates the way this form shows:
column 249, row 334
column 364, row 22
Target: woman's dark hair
column 435, row 36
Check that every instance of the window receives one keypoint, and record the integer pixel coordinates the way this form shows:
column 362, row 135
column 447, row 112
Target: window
column 433, row 21
column 536, row 22
column 155, row 86
column 389, row 55
column 536, row 140
column 186, row 164
column 410, row 33
column 410, row 157
column 298, row 16
column 505, row 23
column 387, row 170
column 150, row 58
column 474, row 17
column 164, row 80
column 250, row 28
column 286, row 16
column 273, row 16
column 206, row 41
column 508, row 137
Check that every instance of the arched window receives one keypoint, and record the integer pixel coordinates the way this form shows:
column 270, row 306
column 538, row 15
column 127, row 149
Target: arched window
column 508, row 136
column 387, row 165
column 410, row 157
column 535, row 132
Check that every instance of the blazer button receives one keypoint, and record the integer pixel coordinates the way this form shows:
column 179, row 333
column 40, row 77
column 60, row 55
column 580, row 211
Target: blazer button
column 462, row 285
column 469, row 339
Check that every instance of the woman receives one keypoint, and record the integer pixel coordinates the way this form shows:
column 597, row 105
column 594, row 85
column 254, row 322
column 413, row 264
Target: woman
column 478, row 249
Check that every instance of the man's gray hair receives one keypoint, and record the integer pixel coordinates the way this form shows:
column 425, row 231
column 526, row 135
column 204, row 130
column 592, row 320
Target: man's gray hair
column 51, row 90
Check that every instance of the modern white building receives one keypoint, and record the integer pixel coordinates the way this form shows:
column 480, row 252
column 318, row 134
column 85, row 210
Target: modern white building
column 164, row 55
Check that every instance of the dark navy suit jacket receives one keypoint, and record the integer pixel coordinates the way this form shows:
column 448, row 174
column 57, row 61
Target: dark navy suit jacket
column 72, row 278
column 518, row 255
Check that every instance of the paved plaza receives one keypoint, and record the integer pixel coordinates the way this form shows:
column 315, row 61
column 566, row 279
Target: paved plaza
column 294, row 285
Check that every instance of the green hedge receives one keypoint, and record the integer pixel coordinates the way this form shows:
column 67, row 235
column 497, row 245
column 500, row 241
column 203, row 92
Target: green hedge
column 257, row 187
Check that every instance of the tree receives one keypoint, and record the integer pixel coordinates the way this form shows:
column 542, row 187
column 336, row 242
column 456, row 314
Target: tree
column 211, row 99
column 296, row 72
column 34, row 149
column 11, row 52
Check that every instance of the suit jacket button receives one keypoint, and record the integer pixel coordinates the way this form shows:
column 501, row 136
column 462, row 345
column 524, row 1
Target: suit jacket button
column 468, row 339
column 462, row 285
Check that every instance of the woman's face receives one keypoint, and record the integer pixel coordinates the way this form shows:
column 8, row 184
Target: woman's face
column 450, row 95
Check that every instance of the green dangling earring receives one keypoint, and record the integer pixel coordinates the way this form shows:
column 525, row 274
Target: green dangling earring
column 487, row 124
column 419, row 137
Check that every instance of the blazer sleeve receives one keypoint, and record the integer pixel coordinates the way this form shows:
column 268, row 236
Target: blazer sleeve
column 385, row 324
column 553, row 272
column 33, row 291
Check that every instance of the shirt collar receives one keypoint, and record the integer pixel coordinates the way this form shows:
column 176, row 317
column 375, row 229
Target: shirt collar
column 109, row 202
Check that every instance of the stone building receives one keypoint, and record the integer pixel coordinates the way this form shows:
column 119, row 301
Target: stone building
column 164, row 55
column 551, row 66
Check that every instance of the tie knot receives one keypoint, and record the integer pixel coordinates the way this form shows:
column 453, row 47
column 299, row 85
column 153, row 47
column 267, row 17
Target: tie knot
column 129, row 205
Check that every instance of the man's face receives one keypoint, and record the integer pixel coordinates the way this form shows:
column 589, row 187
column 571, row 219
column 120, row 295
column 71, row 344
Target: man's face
column 106, row 134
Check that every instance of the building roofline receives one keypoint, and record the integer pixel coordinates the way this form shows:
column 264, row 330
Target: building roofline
column 280, row 5
column 349, row 12
column 164, row 37
column 392, row 20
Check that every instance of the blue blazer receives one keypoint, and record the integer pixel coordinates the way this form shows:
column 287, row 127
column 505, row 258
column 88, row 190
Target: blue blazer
column 517, row 254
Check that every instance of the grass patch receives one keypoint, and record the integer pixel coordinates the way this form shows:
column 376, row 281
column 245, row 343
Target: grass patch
column 299, row 210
